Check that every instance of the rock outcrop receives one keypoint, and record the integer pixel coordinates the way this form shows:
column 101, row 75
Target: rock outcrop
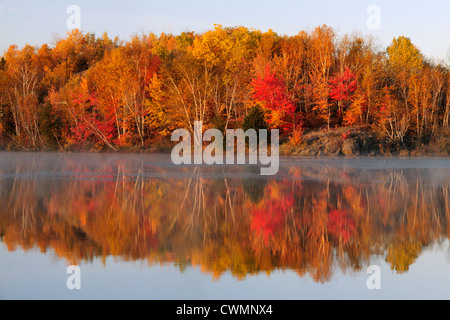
column 352, row 141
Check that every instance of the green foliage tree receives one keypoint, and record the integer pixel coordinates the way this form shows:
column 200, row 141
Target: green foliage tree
column 255, row 119
column 2, row 64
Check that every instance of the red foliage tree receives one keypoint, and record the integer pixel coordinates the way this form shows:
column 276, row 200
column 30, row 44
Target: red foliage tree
column 270, row 90
column 93, row 124
column 343, row 86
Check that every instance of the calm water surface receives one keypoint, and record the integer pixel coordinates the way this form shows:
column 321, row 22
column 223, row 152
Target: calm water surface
column 141, row 228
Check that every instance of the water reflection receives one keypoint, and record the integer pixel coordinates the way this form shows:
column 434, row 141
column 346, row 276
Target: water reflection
column 311, row 218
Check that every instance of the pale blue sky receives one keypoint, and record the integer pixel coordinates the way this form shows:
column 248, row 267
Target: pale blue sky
column 36, row 22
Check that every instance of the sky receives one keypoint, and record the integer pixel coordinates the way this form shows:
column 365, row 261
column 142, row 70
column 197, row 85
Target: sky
column 37, row 22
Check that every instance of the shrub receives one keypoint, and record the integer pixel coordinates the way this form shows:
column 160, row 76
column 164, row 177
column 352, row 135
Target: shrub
column 297, row 136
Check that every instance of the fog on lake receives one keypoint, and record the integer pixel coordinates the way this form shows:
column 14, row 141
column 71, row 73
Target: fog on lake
column 321, row 220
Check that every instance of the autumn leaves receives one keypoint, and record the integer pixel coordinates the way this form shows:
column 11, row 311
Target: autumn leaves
column 90, row 92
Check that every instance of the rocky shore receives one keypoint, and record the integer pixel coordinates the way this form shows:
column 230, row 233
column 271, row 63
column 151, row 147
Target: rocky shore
column 358, row 141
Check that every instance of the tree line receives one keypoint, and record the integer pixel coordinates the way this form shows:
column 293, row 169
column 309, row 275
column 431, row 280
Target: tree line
column 102, row 93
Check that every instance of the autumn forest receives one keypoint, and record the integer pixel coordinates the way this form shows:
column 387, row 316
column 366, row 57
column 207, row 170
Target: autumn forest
column 95, row 93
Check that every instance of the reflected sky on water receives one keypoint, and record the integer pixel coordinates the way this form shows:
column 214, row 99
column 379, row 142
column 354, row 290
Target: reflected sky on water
column 141, row 228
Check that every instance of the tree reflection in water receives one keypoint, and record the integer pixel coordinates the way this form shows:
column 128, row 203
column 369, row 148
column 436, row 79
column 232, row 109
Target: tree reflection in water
column 224, row 219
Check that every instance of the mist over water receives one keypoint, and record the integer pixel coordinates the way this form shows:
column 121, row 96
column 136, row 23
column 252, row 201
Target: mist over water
column 319, row 223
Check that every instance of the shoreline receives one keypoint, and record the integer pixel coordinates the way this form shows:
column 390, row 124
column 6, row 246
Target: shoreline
column 339, row 142
column 398, row 155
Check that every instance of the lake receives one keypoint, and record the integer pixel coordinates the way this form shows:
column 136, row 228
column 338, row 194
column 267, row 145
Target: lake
column 139, row 227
